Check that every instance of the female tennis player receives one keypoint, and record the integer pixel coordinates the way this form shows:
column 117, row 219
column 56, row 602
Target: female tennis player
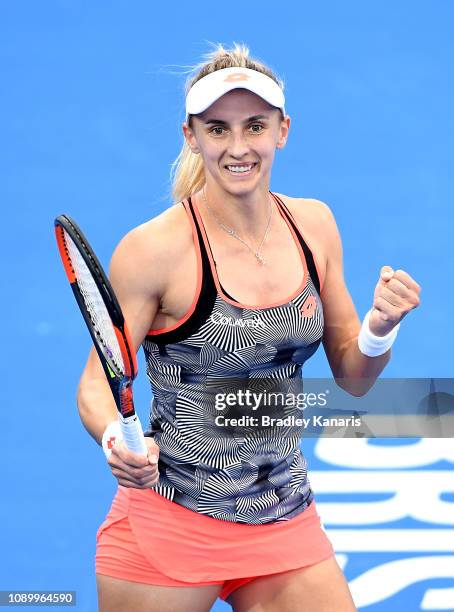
column 233, row 282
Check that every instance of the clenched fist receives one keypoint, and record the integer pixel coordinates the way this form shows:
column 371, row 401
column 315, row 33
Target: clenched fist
column 396, row 293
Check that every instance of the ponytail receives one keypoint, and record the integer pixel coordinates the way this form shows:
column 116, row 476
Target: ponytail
column 188, row 172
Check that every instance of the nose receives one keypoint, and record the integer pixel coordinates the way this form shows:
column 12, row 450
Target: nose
column 238, row 145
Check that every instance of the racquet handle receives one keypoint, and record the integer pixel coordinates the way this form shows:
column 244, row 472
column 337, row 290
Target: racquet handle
column 133, row 434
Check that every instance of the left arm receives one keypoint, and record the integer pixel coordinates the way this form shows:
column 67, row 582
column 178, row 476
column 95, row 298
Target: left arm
column 396, row 293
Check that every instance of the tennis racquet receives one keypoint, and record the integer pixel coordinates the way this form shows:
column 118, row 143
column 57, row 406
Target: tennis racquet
column 105, row 322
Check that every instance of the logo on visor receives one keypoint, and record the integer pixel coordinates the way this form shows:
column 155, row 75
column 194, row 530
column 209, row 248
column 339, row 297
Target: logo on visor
column 235, row 77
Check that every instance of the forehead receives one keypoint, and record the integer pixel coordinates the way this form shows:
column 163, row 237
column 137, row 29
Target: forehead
column 237, row 104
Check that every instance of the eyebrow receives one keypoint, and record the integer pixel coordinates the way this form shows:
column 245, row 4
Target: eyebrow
column 248, row 120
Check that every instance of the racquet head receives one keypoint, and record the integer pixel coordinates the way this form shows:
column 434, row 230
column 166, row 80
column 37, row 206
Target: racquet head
column 101, row 311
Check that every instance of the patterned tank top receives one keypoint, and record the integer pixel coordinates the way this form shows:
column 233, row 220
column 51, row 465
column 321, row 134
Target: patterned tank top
column 251, row 475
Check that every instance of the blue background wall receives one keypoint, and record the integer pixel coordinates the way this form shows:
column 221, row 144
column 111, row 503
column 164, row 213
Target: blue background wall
column 91, row 105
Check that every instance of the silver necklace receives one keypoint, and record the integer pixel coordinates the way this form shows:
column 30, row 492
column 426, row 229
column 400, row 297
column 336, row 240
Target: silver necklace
column 231, row 232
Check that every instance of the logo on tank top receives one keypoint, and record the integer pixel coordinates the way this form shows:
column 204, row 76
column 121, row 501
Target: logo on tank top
column 308, row 308
column 219, row 319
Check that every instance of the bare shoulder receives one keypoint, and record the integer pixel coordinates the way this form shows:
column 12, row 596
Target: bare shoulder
column 308, row 209
column 150, row 250
column 318, row 223
column 161, row 231
column 319, row 229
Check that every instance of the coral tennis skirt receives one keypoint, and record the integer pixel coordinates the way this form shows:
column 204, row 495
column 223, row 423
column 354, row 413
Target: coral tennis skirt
column 150, row 539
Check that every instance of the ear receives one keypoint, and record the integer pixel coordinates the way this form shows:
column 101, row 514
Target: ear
column 283, row 132
column 190, row 138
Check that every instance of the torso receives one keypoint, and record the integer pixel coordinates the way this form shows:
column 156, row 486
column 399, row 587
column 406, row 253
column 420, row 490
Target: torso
column 239, row 273
column 246, row 330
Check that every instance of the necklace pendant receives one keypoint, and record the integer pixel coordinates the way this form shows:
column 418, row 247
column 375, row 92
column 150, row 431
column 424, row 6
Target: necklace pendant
column 231, row 232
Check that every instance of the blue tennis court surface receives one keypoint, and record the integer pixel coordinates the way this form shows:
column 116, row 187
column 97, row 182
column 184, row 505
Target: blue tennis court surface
column 91, row 103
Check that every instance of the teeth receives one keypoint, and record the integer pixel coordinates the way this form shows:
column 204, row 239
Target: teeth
column 239, row 168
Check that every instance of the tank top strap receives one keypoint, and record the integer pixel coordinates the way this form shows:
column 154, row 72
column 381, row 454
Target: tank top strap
column 203, row 248
column 205, row 300
column 208, row 284
column 189, row 207
column 307, row 252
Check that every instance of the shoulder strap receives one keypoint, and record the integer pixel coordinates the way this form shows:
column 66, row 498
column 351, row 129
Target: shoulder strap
column 207, row 268
column 205, row 301
column 307, row 252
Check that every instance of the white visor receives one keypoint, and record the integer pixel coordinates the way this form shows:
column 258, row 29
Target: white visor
column 214, row 85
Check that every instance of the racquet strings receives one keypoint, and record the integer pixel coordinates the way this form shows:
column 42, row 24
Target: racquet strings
column 96, row 308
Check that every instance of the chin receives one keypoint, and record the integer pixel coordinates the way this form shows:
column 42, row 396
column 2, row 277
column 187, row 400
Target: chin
column 243, row 186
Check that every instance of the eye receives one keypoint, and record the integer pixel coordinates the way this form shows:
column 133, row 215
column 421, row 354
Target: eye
column 217, row 127
column 256, row 125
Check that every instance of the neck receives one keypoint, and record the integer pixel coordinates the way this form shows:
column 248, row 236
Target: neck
column 247, row 214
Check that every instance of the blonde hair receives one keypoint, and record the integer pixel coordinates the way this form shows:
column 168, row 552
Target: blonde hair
column 187, row 173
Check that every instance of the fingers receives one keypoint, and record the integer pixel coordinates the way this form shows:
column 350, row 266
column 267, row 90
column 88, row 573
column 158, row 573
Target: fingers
column 132, row 469
column 407, row 280
column 142, row 483
column 395, row 295
column 387, row 311
column 386, row 273
column 398, row 294
column 399, row 279
column 127, row 457
column 153, row 450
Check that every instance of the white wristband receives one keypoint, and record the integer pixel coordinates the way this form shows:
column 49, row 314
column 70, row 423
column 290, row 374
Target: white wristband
column 371, row 345
column 112, row 435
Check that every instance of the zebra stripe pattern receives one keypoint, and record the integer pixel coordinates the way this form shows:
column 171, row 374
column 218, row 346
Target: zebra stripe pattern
column 247, row 474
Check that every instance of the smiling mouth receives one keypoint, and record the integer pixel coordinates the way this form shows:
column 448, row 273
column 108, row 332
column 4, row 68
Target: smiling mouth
column 239, row 169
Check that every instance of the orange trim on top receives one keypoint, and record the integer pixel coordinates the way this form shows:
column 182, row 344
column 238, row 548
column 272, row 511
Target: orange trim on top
column 185, row 317
column 216, row 279
column 321, row 277
column 60, row 235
